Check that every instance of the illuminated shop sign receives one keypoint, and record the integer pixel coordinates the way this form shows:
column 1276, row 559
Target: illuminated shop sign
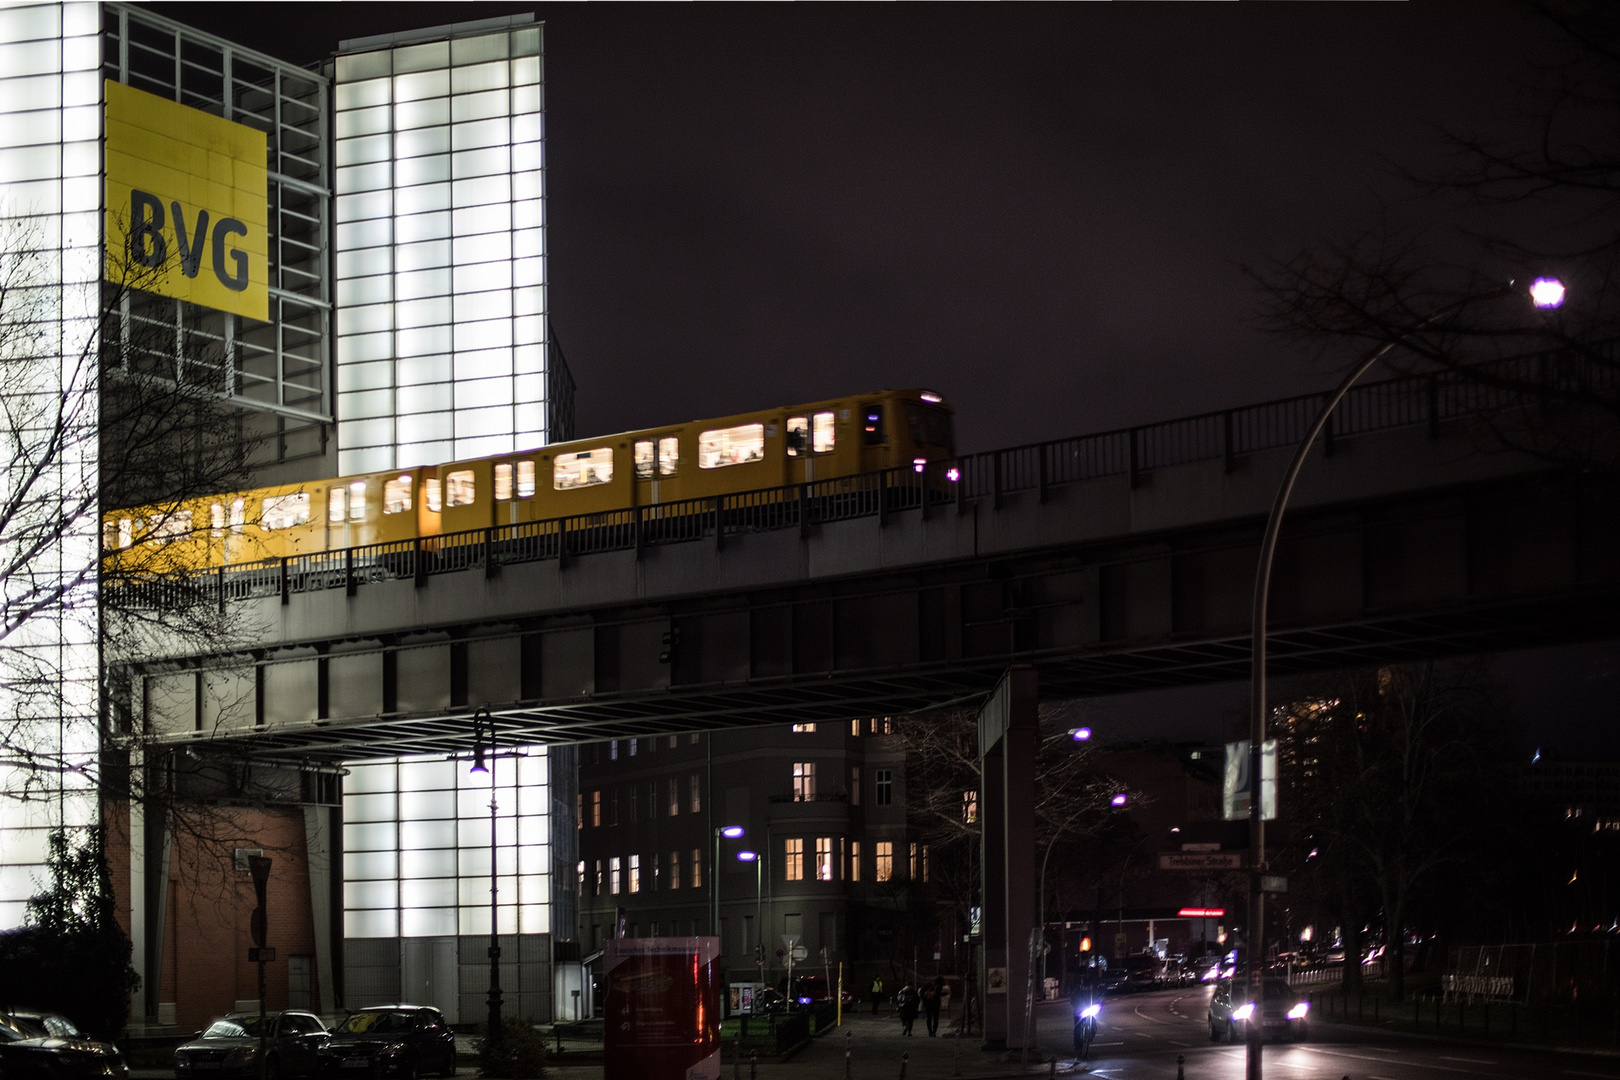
column 187, row 209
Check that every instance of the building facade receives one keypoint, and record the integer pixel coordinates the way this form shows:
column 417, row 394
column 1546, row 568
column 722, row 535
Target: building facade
column 353, row 258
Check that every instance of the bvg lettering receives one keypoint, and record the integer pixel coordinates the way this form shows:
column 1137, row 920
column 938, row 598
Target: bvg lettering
column 148, row 246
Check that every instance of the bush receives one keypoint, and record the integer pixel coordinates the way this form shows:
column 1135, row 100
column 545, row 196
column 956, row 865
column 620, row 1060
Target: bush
column 519, row 1054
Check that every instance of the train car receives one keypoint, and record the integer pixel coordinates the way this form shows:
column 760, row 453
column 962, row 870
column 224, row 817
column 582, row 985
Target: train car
column 671, row 464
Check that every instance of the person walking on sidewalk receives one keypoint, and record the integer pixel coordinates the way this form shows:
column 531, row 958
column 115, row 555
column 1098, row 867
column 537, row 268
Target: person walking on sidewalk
column 908, row 1008
column 932, row 994
column 877, row 994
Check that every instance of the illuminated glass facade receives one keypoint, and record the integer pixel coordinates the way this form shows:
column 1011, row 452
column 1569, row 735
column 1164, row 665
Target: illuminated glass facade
column 442, row 348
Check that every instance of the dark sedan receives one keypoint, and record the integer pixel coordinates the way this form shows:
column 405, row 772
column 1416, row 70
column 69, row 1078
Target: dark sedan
column 403, row 1041
column 230, row 1047
column 27, row 1051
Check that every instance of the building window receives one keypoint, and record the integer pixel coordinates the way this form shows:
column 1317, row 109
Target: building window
column 697, row 868
column 883, row 787
column 793, row 859
column 613, row 750
column 915, row 869
column 613, row 874
column 854, row 729
column 579, row 875
column 653, row 885
column 673, row 741
column 824, row 858
column 855, row 785
column 675, row 869
column 882, row 725
column 854, row 860
column 697, row 793
column 674, row 796
column 804, row 781
column 596, row 808
column 635, row 870
column 804, row 728
column 632, row 747
column 579, row 810
column 970, row 807
column 597, row 891
column 613, row 807
column 885, row 861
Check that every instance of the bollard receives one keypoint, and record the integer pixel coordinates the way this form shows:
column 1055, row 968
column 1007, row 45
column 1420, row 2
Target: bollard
column 736, row 1059
column 753, row 1065
column 848, row 1052
column 1051, row 1068
column 905, row 1059
column 1181, row 1067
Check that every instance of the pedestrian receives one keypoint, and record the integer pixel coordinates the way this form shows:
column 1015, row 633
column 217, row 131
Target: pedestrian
column 908, row 1004
column 877, row 994
column 932, row 996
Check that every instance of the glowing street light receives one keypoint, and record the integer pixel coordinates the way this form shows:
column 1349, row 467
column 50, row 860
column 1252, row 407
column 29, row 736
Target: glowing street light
column 730, row 832
column 759, row 907
column 1080, row 734
column 1547, row 292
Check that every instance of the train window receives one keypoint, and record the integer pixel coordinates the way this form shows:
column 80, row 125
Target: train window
column 731, row 446
column 669, row 455
column 397, row 494
column 872, row 424
column 337, row 505
column 459, row 488
column 218, row 520
column 798, row 435
column 661, row 456
column 646, row 458
column 430, row 495
column 583, row 469
column 161, row 528
column 930, row 427
column 118, row 534
column 503, row 480
column 357, row 500
column 285, row 511
column 525, row 479
column 821, row 432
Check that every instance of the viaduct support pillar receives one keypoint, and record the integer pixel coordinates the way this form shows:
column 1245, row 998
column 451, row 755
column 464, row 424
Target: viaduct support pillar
column 1007, row 738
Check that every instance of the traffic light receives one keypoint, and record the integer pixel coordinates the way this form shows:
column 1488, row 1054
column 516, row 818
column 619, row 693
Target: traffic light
column 1085, row 944
column 259, row 867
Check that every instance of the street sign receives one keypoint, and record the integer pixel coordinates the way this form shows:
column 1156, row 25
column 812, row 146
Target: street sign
column 1273, row 883
column 1201, row 860
column 798, row 952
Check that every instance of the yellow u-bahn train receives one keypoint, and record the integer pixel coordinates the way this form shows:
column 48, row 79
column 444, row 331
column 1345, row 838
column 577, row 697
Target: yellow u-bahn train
column 701, row 459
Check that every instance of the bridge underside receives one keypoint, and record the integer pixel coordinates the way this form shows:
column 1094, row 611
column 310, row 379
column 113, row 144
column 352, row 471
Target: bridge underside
column 1476, row 569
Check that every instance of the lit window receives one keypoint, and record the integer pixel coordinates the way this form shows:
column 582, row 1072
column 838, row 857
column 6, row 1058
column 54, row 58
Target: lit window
column 645, row 459
column 675, row 869
column 634, row 876
column 613, row 874
column 459, row 488
column 397, row 494
column 599, row 877
column 883, row 787
column 804, row 728
column 731, row 446
column 798, row 435
column 824, row 858
column 697, row 868
column 596, row 808
column 697, row 794
column 854, row 860
column 674, row 796
column 882, row 725
column 216, row 523
column 238, row 514
column 613, row 749
column 503, row 481
column 821, row 433
column 525, row 479
column 337, row 505
column 970, row 807
column 357, row 500
column 793, row 859
column 812, row 434
column 285, row 511
column 855, row 729
column 632, row 747
column 430, row 495
column 916, row 869
column 583, row 469
column 162, row 528
column 804, row 781
column 669, row 455
column 885, row 861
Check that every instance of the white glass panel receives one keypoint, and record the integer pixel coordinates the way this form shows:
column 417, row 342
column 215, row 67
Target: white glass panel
column 526, row 70
column 421, row 200
column 374, row 232
column 417, row 805
column 355, row 348
column 366, row 66
column 417, row 370
column 426, row 775
column 482, row 393
column 371, row 924
column 475, row 49
column 492, row 162
column 485, row 334
column 370, row 894
column 480, row 249
column 367, row 433
column 415, row 835
column 364, row 290
column 475, row 77
column 432, row 169
column 466, row 108
column 431, row 226
column 374, row 376
column 430, row 922
column 422, row 84
column 494, row 304
column 479, row 133
column 434, row 54
column 435, row 863
column 365, row 261
column 364, row 460
column 526, row 99
column 480, row 277
column 369, row 319
column 528, row 242
column 481, row 219
column 481, row 189
column 423, row 255
column 372, row 121
column 360, row 207
column 417, row 283
column 365, row 149
column 368, row 865
column 420, row 114
column 534, row 918
column 369, row 778
column 422, row 143
column 528, row 214
column 528, row 329
column 355, row 178
column 496, row 421
column 377, row 807
column 423, row 340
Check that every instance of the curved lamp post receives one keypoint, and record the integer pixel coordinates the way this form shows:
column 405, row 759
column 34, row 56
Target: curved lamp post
column 730, row 832
column 1544, row 294
column 759, row 907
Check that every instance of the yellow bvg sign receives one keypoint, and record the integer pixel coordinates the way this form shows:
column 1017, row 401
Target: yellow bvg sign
column 187, row 209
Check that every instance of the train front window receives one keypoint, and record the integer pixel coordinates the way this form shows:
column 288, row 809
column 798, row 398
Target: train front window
column 503, row 481
column 872, row 425
column 930, row 427
column 583, row 469
column 459, row 488
column 525, row 479
column 821, row 432
column 731, row 446
column 285, row 511
column 397, row 494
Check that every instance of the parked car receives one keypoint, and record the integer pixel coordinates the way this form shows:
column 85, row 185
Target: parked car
column 230, row 1046
column 1141, row 973
column 403, row 1041
column 28, row 1052
column 1233, row 1011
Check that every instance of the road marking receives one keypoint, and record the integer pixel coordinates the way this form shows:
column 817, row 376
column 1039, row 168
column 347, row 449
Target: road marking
column 1386, row 1061
column 1467, row 1061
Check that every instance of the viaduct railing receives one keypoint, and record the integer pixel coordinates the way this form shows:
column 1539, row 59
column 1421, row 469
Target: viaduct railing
column 1427, row 400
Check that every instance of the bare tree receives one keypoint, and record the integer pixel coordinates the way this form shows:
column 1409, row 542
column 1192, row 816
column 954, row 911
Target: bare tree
column 1540, row 198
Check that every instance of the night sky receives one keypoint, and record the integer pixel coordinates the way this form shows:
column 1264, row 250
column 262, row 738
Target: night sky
column 1042, row 211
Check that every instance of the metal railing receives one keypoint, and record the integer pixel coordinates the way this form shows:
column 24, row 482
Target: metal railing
column 1432, row 400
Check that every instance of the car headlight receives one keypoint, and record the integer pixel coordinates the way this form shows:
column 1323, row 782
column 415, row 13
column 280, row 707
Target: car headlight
column 241, row 1055
column 393, row 1050
column 1298, row 1011
column 1090, row 1010
column 1244, row 1011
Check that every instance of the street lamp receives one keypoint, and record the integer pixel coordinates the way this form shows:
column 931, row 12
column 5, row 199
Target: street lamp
column 1544, row 294
column 730, row 832
column 484, row 762
column 759, row 907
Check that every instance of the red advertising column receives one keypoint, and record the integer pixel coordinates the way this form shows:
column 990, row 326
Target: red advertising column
column 662, row 1008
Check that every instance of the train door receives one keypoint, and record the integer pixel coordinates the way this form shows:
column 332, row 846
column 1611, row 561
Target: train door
column 657, row 460
column 811, row 439
column 345, row 515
